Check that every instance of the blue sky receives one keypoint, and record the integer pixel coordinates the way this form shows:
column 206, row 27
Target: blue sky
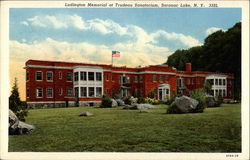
column 191, row 22
column 144, row 36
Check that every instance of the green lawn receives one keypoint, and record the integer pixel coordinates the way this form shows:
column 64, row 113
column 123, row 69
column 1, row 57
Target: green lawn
column 114, row 129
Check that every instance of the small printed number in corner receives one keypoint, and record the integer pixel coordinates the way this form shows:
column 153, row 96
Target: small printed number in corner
column 232, row 155
column 213, row 5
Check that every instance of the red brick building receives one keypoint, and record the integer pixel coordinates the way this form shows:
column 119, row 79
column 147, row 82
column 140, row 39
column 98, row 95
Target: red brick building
column 60, row 84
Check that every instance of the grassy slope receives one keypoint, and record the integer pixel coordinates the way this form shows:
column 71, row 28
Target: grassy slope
column 114, row 129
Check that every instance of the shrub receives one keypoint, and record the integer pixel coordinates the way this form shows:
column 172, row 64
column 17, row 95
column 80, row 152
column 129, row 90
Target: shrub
column 16, row 105
column 151, row 94
column 127, row 100
column 141, row 100
column 106, row 101
column 170, row 99
column 200, row 96
column 218, row 101
column 151, row 100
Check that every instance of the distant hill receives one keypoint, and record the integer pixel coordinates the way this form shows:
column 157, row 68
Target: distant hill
column 221, row 52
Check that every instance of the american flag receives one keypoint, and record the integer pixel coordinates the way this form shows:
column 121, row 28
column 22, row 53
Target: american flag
column 115, row 54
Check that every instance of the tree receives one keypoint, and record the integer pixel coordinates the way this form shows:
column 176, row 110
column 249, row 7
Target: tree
column 16, row 105
column 221, row 52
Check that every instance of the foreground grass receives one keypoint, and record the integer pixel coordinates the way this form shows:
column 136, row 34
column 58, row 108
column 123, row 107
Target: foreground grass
column 114, row 129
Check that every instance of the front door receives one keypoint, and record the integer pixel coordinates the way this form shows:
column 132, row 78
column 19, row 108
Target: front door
column 163, row 92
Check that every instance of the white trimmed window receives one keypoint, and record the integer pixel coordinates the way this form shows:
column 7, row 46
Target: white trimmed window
column 49, row 92
column 91, row 76
column 98, row 76
column 98, row 91
column 91, row 91
column 39, row 75
column 39, row 92
column 83, row 76
column 76, row 78
column 49, row 76
column 69, row 76
column 60, row 75
column 136, row 79
column 69, row 92
column 167, row 78
column 161, row 78
column 140, row 78
column 60, row 92
column 154, row 78
column 83, row 91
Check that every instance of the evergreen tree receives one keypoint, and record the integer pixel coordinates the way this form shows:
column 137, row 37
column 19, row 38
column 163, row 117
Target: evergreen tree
column 16, row 105
column 221, row 52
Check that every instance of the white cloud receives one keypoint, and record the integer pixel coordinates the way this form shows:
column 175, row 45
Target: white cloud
column 187, row 40
column 136, row 33
column 24, row 23
column 55, row 22
column 49, row 49
column 212, row 30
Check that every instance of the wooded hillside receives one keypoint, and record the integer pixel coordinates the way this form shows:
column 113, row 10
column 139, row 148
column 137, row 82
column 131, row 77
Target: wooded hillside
column 221, row 52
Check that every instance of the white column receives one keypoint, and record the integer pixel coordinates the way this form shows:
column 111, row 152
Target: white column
column 87, row 78
column 79, row 84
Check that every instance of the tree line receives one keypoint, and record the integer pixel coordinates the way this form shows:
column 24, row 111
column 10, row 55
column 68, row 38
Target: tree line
column 221, row 52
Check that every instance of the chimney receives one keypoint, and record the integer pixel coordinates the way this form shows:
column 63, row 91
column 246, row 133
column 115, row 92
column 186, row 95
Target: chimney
column 188, row 67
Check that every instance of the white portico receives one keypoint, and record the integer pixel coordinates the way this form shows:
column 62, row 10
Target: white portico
column 88, row 81
column 219, row 84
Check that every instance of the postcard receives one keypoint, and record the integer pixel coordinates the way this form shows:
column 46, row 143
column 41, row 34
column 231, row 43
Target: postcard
column 124, row 80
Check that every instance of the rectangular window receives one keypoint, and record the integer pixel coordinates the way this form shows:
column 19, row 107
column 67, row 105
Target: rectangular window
column 188, row 81
column 136, row 79
column 136, row 92
column 161, row 78
column 140, row 78
column 83, row 76
column 216, row 92
column 179, row 82
column 212, row 81
column 224, row 93
column 39, row 75
column 216, row 82
column 98, row 76
column 60, row 75
column 113, row 78
column 60, row 91
column 69, row 92
column 27, row 92
column 220, row 82
column 107, row 77
column 76, row 92
column 49, row 76
column 39, row 92
column 167, row 78
column 98, row 91
column 83, row 91
column 27, row 76
column 49, row 92
column 91, row 76
column 69, row 76
column 91, row 91
column 193, row 81
column 76, row 76
column 154, row 78
column 224, row 82
column 220, row 92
